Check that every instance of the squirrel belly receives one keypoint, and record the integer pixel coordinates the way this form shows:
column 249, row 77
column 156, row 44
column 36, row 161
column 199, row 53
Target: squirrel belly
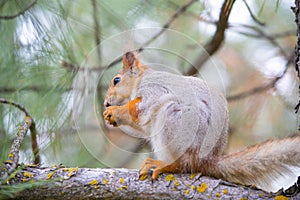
column 186, row 122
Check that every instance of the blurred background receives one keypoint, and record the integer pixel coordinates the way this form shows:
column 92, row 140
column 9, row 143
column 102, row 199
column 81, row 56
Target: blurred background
column 56, row 56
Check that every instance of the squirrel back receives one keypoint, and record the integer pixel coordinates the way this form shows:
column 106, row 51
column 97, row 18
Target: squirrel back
column 186, row 122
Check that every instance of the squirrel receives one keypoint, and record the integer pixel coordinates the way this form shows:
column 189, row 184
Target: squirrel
column 186, row 122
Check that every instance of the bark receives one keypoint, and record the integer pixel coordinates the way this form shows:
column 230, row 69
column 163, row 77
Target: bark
column 85, row 183
column 296, row 10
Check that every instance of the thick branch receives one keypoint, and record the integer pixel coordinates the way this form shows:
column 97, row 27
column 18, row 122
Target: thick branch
column 214, row 44
column 21, row 12
column 84, row 183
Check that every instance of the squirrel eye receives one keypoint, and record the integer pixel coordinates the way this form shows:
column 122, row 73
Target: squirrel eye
column 117, row 80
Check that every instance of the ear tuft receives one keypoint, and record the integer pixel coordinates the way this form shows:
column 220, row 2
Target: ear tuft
column 128, row 59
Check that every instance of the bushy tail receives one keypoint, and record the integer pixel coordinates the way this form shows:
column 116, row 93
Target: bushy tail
column 270, row 166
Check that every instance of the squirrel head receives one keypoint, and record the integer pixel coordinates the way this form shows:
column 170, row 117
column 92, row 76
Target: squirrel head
column 124, row 85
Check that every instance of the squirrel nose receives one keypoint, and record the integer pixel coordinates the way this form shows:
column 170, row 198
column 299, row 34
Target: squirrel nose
column 106, row 104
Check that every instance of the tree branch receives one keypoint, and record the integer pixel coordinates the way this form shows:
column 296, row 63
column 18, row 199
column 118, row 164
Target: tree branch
column 260, row 89
column 214, row 44
column 75, row 68
column 252, row 15
column 20, row 107
column 32, row 127
column 296, row 10
column 178, row 12
column 13, row 157
column 83, row 183
column 258, row 33
column 21, row 12
column 97, row 29
column 271, row 38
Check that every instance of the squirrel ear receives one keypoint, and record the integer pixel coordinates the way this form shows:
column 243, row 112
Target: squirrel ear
column 130, row 60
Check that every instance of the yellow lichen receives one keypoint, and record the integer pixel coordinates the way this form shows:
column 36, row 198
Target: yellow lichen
column 218, row 195
column 50, row 175
column 11, row 155
column 187, row 192
column 192, row 176
column 24, row 179
column 32, row 165
column 176, row 183
column 243, row 198
column 54, row 166
column 123, row 187
column 170, row 177
column 202, row 188
column 97, row 186
column 9, row 161
column 93, row 182
column 225, row 191
column 193, row 187
column 75, row 169
column 143, row 177
column 121, row 180
column 105, row 181
column 27, row 174
column 65, row 169
column 281, row 197
column 72, row 171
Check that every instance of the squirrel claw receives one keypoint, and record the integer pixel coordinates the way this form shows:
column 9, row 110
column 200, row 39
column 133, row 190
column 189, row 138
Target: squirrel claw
column 151, row 167
column 108, row 115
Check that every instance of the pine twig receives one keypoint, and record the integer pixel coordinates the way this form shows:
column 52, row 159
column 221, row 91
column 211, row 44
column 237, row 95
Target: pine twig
column 20, row 107
column 13, row 156
column 97, row 29
column 270, row 38
column 21, row 12
column 260, row 89
column 32, row 127
column 252, row 15
column 178, row 12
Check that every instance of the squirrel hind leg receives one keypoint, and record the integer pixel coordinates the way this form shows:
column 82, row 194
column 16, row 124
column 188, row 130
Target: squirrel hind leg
column 156, row 167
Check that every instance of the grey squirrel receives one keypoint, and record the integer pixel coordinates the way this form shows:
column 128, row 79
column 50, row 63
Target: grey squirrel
column 186, row 122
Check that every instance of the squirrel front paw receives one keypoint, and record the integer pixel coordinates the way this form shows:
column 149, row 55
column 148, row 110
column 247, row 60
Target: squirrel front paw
column 109, row 115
